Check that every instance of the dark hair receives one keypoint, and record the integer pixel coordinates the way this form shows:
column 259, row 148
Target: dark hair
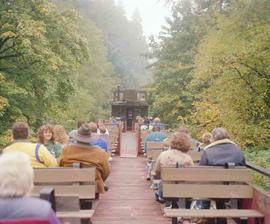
column 41, row 131
column 20, row 130
column 80, row 123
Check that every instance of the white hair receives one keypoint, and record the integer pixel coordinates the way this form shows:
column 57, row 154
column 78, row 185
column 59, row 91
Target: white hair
column 16, row 174
column 219, row 134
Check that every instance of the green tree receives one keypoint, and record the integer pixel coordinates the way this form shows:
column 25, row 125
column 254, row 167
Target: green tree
column 40, row 49
column 174, row 53
column 232, row 72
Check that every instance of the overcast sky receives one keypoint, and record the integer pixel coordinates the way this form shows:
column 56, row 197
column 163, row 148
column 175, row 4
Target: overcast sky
column 153, row 13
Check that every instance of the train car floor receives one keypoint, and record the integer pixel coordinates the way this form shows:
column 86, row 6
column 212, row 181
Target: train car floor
column 129, row 199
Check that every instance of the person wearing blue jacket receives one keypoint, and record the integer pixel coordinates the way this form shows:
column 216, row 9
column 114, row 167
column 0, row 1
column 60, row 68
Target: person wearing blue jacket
column 155, row 135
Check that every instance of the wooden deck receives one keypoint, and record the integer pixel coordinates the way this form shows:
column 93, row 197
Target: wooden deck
column 129, row 199
column 128, row 145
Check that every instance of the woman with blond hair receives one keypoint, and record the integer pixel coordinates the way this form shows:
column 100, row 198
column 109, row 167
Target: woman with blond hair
column 206, row 140
column 16, row 175
column 46, row 137
column 60, row 135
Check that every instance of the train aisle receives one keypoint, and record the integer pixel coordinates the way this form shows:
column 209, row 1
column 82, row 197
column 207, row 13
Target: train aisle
column 129, row 199
column 128, row 144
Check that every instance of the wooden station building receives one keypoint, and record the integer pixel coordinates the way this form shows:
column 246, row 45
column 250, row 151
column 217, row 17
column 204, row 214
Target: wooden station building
column 128, row 104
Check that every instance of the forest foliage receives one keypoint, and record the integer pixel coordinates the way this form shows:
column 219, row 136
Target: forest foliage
column 212, row 68
column 56, row 61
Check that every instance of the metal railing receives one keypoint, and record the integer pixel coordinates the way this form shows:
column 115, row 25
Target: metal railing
column 261, row 170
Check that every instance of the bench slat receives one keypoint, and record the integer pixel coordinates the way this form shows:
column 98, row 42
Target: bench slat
column 82, row 214
column 206, row 191
column 154, row 145
column 83, row 191
column 60, row 175
column 219, row 213
column 206, row 174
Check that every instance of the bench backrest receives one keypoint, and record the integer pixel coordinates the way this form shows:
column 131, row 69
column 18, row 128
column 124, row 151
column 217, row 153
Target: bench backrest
column 67, row 181
column 154, row 145
column 195, row 155
column 144, row 134
column 154, row 148
column 206, row 182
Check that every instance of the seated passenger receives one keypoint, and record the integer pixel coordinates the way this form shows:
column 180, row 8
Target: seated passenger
column 156, row 123
column 16, row 175
column 206, row 140
column 222, row 150
column 195, row 143
column 46, row 137
column 39, row 154
column 88, row 155
column 100, row 124
column 93, row 128
column 155, row 135
column 176, row 155
column 60, row 135
column 102, row 130
column 101, row 140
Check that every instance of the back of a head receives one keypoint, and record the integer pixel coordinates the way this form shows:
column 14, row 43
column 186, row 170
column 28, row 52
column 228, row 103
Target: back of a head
column 156, row 120
column 93, row 127
column 219, row 134
column 16, row 175
column 20, row 130
column 60, row 134
column 206, row 138
column 180, row 141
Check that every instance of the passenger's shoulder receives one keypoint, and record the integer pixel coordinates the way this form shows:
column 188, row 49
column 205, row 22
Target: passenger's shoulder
column 37, row 203
column 42, row 147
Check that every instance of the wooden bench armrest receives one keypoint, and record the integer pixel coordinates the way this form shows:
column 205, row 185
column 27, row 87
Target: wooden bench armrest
column 47, row 193
column 215, row 213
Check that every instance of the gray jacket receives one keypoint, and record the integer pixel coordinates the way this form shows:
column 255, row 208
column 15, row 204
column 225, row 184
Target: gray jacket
column 221, row 152
column 26, row 207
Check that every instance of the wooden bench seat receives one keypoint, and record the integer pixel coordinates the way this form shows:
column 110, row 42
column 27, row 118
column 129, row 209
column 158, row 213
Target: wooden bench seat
column 82, row 214
column 154, row 154
column 207, row 182
column 219, row 213
column 74, row 188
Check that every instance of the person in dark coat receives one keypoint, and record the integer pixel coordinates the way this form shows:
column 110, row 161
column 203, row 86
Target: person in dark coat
column 220, row 152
